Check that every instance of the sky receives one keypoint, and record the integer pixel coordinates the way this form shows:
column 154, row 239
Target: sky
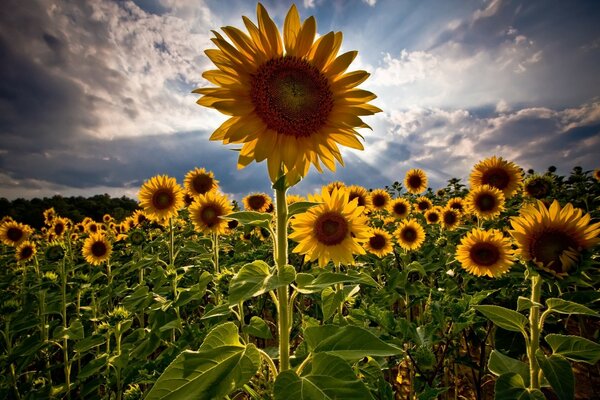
column 95, row 96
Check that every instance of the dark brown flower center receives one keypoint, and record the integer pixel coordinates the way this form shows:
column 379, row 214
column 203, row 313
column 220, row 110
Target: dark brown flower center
column 485, row 254
column 408, row 234
column 457, row 206
column 99, row 249
column 291, row 96
column 59, row 228
column 377, row 241
column 450, row 218
column 433, row 217
column 331, row 228
column 256, row 202
column 202, row 183
column 232, row 224
column 209, row 215
column 361, row 199
column 485, row 202
column 400, row 208
column 93, row 228
column 26, row 252
column 14, row 234
column 414, row 181
column 538, row 188
column 379, row 200
column 496, row 177
column 163, row 199
column 549, row 246
column 423, row 205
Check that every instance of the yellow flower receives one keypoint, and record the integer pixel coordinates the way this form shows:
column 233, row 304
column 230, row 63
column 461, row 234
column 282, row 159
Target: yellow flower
column 410, row 235
column 433, row 215
column 49, row 215
column 450, row 218
column 107, row 218
column 59, row 226
column 597, row 174
column 485, row 253
column 293, row 198
column 139, row 217
column 485, row 202
column 553, row 238
column 25, row 251
column 400, row 208
column 333, row 230
column 379, row 243
column 360, row 193
column 290, row 102
column 259, row 202
column 538, row 186
column 208, row 210
column 200, row 181
column 97, row 249
column 380, row 199
column 161, row 198
column 415, row 181
column 92, row 227
column 14, row 233
column 499, row 173
column 335, row 185
column 423, row 204
column 456, row 203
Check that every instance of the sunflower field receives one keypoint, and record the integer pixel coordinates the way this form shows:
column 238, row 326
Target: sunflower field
column 487, row 289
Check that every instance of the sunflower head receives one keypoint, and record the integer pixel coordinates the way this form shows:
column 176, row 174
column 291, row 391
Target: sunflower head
column 457, row 204
column 410, row 235
column 14, row 233
column 49, row 215
column 293, row 198
column 379, row 243
column 450, row 218
column 400, row 208
column 107, row 218
column 208, row 210
column 139, row 217
column 485, row 202
column 200, row 181
column 161, row 197
column 553, row 238
column 380, row 199
column 290, row 101
column 59, row 227
column 597, row 174
column 538, row 186
column 92, row 227
column 415, row 181
column 333, row 230
column 485, row 253
column 362, row 195
column 259, row 202
column 97, row 249
column 25, row 251
column 433, row 215
column 498, row 173
column 422, row 204
column 334, row 185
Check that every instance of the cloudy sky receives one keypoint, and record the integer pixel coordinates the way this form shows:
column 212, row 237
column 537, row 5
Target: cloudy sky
column 95, row 96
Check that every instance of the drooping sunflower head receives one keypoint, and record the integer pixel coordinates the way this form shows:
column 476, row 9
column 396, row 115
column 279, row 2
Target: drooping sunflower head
column 14, row 233
column 97, row 249
column 161, row 197
column 333, row 230
column 400, row 208
column 290, row 101
column 208, row 210
column 485, row 202
column 25, row 251
column 380, row 199
column 423, row 204
column 259, row 202
column 538, row 186
column 199, row 181
column 433, row 215
column 410, row 235
column 485, row 253
column 499, row 173
column 49, row 215
column 379, row 243
column 456, row 203
column 450, row 218
column 415, row 181
column 362, row 195
column 553, row 238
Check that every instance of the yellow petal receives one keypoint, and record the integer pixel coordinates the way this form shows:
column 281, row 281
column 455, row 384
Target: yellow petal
column 341, row 63
column 306, row 37
column 270, row 32
column 291, row 29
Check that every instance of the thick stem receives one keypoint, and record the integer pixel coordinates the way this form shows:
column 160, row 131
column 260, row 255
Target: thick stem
column 534, row 327
column 65, row 327
column 215, row 243
column 281, row 259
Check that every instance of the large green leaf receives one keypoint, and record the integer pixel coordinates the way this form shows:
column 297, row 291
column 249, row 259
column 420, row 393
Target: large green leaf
column 251, row 218
column 195, row 292
column 574, row 348
column 499, row 364
column 330, row 377
column 511, row 386
column 221, row 365
column 255, row 278
column 300, row 207
column 569, row 307
column 330, row 301
column 349, row 342
column 504, row 317
column 558, row 372
column 308, row 283
column 258, row 328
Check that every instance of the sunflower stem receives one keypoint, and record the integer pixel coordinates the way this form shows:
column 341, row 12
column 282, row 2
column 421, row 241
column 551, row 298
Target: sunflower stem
column 534, row 327
column 284, row 314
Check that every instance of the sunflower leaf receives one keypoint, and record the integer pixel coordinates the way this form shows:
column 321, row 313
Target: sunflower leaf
column 308, row 283
column 574, row 348
column 300, row 207
column 559, row 373
column 510, row 386
column 569, row 307
column 251, row 218
column 504, row 317
column 255, row 278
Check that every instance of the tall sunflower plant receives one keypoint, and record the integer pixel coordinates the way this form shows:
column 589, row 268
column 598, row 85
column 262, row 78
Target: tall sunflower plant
column 292, row 103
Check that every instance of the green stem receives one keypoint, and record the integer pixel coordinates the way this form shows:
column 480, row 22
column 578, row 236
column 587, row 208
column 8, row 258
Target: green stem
column 534, row 326
column 215, row 249
column 269, row 361
column 65, row 346
column 245, row 335
column 339, row 287
column 281, row 258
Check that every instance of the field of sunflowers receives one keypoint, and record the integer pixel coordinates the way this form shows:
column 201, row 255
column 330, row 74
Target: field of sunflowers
column 479, row 290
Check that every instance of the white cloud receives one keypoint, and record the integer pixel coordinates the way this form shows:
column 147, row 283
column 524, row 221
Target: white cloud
column 309, row 3
column 370, row 2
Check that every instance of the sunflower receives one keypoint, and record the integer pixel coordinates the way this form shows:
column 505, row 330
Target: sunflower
column 362, row 194
column 59, row 226
column 335, row 185
column 49, row 215
column 161, row 198
column 450, row 218
column 423, row 204
column 538, row 186
column 289, row 101
column 553, row 238
column 25, row 251
column 200, row 181
column 456, row 203
column 415, row 181
column 485, row 202
column 97, row 249
column 485, row 253
column 107, row 218
column 139, row 217
column 433, row 215
column 379, row 243
column 293, row 198
column 207, row 211
column 259, row 202
column 400, row 208
column 14, row 233
column 92, row 227
column 380, row 199
column 597, row 174
column 499, row 173
column 410, row 235
column 333, row 230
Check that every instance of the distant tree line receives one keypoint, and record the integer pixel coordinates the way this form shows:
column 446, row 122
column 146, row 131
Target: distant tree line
column 74, row 208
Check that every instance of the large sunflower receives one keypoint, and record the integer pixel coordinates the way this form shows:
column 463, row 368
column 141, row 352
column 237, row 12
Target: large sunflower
column 259, row 202
column 360, row 193
column 208, row 210
column 25, row 251
column 415, row 181
column 380, row 199
column 161, row 197
column 97, row 249
column 485, row 253
column 410, row 235
column 379, row 243
column 485, row 202
column 499, row 173
column 290, row 102
column 400, row 208
column 333, row 230
column 553, row 238
column 14, row 233
column 200, row 181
